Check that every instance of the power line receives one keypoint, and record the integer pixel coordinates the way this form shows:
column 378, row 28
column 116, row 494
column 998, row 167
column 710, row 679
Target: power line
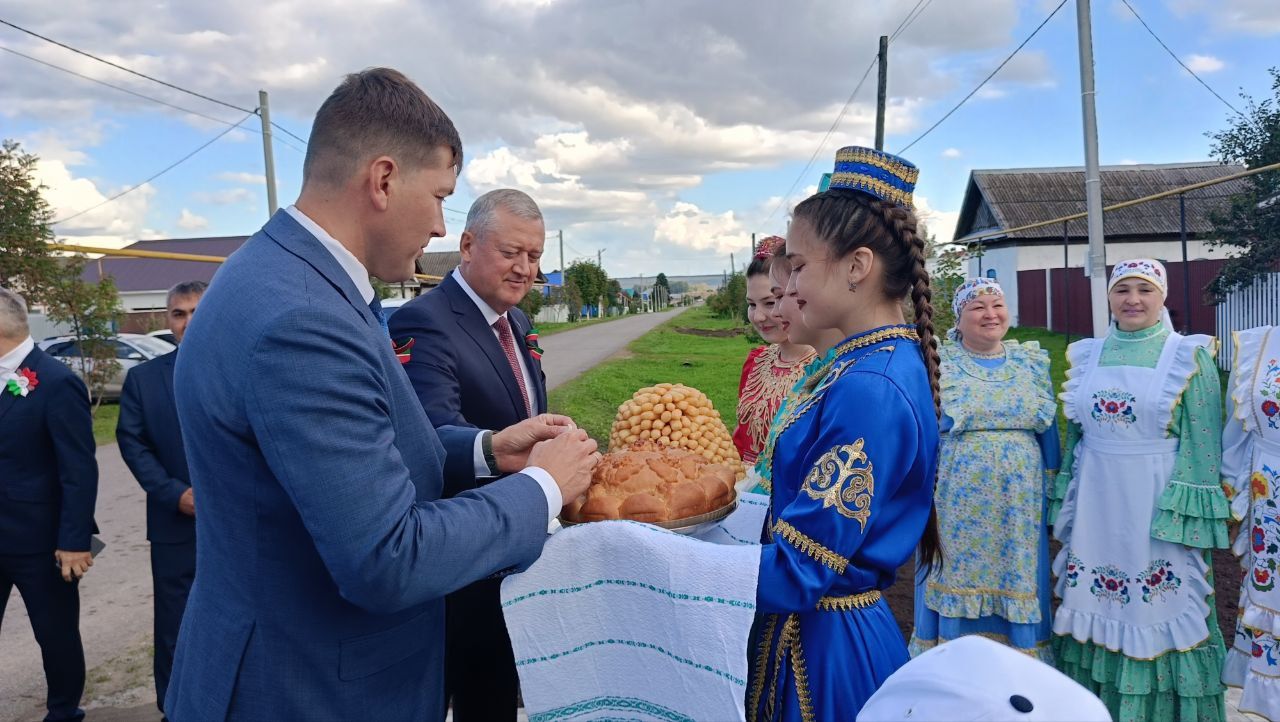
column 911, row 18
column 903, row 24
column 288, row 132
column 127, row 70
column 816, row 151
column 1179, row 60
column 984, row 80
column 123, row 90
column 166, row 169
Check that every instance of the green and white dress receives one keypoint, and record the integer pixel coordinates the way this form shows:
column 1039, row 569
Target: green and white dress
column 1137, row 507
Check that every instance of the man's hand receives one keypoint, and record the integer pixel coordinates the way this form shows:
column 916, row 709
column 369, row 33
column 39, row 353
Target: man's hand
column 73, row 564
column 569, row 459
column 187, row 502
column 511, row 446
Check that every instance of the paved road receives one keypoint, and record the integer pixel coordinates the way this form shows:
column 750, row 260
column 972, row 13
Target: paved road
column 568, row 353
column 115, row 598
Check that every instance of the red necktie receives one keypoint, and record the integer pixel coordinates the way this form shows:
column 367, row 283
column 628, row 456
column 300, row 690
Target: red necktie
column 509, row 347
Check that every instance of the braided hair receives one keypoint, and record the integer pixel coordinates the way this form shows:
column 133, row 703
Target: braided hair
column 847, row 220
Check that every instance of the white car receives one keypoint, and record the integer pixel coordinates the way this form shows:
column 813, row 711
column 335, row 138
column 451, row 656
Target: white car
column 131, row 350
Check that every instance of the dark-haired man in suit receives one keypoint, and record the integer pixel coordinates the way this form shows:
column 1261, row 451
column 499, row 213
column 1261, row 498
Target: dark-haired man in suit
column 151, row 444
column 48, row 488
column 471, row 366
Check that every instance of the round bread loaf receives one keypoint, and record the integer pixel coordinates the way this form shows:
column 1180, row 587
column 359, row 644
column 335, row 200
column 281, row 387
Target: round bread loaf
column 679, row 416
column 652, row 483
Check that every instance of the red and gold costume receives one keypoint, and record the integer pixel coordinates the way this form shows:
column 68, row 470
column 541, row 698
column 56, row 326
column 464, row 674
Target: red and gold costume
column 766, row 380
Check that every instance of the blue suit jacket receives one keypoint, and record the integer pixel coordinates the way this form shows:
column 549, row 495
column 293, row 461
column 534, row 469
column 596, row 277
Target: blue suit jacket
column 150, row 439
column 458, row 368
column 324, row 551
column 48, row 474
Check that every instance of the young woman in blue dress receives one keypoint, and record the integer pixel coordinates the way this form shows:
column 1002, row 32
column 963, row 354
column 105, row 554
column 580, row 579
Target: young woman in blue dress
column 853, row 462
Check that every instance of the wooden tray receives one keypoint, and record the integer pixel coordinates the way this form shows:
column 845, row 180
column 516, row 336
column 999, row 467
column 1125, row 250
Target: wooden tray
column 687, row 525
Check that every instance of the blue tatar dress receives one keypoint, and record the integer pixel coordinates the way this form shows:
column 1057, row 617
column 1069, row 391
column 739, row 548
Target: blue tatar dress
column 853, row 468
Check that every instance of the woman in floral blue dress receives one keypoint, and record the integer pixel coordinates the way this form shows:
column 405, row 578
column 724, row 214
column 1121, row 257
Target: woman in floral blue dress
column 999, row 444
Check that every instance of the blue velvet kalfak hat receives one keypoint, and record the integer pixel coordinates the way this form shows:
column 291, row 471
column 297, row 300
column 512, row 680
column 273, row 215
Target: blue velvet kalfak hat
column 883, row 175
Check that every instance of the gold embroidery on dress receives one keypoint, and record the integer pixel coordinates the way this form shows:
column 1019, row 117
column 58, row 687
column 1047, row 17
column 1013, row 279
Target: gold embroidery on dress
column 799, row 670
column 810, row 546
column 861, row 600
column 843, row 478
column 762, row 667
column 784, row 645
column 767, row 384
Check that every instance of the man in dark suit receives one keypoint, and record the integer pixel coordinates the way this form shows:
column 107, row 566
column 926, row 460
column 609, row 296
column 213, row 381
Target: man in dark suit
column 470, row 366
column 325, row 549
column 48, row 487
column 151, row 444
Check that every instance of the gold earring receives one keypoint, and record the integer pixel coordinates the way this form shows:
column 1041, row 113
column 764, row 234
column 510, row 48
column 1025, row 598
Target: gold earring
column 853, row 286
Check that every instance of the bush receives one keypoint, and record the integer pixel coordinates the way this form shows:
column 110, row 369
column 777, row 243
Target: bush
column 730, row 301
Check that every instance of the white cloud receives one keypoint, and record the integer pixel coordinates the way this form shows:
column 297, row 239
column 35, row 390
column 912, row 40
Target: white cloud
column 688, row 226
column 227, row 197
column 1129, row 161
column 1260, row 18
column 941, row 224
column 951, row 153
column 114, row 224
column 256, row 179
column 189, row 221
column 1204, row 63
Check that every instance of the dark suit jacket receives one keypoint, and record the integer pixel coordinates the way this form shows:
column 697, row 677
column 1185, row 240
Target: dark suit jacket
column 151, row 443
column 48, row 474
column 324, row 549
column 457, row 366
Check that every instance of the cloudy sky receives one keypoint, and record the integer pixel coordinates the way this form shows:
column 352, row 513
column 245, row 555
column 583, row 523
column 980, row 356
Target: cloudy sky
column 664, row 132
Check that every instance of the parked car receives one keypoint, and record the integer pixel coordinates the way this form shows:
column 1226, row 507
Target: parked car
column 131, row 350
column 165, row 335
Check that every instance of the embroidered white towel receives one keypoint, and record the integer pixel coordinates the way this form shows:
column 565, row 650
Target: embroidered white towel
column 625, row 620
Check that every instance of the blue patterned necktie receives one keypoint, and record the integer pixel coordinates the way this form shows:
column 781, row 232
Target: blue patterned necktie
column 376, row 307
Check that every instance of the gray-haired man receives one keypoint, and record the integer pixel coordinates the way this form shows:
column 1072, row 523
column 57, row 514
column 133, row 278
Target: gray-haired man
column 151, row 444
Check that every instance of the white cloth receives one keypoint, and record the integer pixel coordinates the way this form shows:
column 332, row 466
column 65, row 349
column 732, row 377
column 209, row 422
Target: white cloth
column 1251, row 468
column 974, row 678
column 625, row 620
column 1121, row 588
column 360, row 277
column 10, row 361
column 491, row 317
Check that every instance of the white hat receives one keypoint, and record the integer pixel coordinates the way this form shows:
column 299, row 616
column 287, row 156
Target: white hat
column 974, row 678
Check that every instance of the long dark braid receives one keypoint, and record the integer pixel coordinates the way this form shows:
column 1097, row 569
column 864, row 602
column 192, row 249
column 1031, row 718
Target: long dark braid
column 848, row 220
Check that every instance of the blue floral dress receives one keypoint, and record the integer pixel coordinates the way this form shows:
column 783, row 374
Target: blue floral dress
column 999, row 441
column 850, row 498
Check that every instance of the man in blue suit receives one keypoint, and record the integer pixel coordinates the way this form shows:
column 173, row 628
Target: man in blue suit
column 325, row 550
column 48, row 487
column 470, row 366
column 150, row 441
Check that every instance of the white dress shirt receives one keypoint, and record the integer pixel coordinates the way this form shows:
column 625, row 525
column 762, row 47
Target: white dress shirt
column 491, row 317
column 9, row 362
column 360, row 277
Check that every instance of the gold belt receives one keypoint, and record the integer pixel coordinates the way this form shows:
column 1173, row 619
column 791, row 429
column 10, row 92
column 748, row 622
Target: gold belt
column 861, row 600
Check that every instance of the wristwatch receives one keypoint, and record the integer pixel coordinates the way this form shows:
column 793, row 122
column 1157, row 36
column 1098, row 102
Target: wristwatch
column 486, row 447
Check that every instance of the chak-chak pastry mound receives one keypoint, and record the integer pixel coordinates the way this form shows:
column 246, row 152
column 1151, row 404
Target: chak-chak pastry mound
column 679, row 416
column 653, row 483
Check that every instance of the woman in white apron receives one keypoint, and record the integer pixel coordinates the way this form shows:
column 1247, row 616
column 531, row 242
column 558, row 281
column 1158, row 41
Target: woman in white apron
column 1138, row 507
column 1251, row 477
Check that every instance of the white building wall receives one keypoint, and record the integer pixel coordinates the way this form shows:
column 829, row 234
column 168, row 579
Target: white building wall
column 1004, row 261
column 144, row 300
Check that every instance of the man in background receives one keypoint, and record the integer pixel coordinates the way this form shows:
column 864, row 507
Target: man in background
column 470, row 366
column 151, row 444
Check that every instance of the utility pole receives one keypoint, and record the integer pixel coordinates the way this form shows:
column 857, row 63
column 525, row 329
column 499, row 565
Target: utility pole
column 882, row 91
column 600, row 265
column 753, row 245
column 268, row 158
column 732, row 269
column 1097, row 263
column 561, row 232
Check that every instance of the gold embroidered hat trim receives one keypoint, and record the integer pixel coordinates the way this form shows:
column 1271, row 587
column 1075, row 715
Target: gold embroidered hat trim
column 861, row 600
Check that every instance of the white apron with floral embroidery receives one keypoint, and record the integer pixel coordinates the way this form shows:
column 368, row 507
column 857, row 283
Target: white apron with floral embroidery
column 1121, row 588
column 1255, row 654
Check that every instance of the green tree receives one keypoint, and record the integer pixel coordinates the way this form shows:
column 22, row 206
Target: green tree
column 532, row 302
column 730, row 301
column 1251, row 224
column 591, row 281
column 946, row 277
column 30, row 266
column 614, row 291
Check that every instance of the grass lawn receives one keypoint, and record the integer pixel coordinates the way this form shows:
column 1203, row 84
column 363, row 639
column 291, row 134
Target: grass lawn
column 546, row 329
column 711, row 364
column 104, row 423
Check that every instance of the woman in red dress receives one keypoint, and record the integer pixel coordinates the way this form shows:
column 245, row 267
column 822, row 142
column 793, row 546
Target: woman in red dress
column 769, row 371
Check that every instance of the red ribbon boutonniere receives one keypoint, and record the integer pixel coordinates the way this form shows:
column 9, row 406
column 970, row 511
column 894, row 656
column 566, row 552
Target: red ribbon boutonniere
column 21, row 382
column 531, row 343
column 402, row 349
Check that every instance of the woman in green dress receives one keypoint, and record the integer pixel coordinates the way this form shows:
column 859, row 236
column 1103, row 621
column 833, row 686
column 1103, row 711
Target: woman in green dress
column 1138, row 507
